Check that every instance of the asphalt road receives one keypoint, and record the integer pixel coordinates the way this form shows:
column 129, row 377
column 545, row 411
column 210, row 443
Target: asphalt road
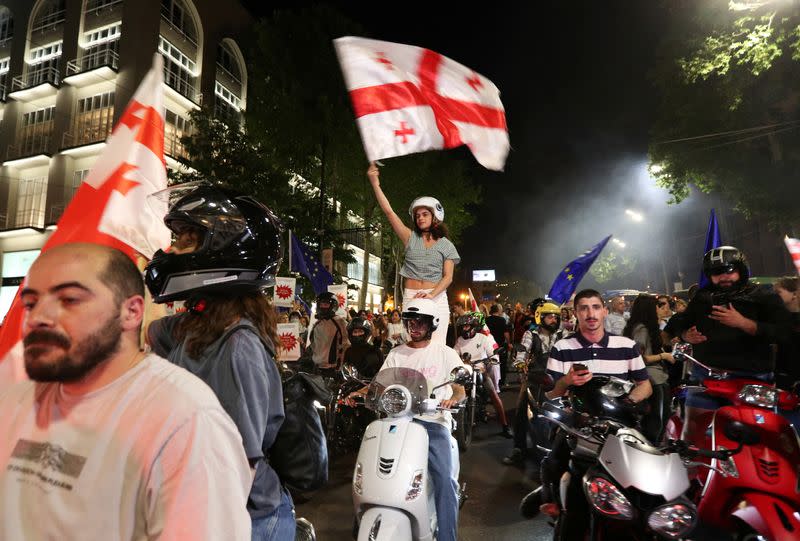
column 494, row 491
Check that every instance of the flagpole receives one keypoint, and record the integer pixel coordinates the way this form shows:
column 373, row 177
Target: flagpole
column 290, row 251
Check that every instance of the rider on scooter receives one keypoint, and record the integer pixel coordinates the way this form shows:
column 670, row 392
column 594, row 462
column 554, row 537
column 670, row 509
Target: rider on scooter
column 480, row 346
column 365, row 357
column 732, row 325
column 435, row 361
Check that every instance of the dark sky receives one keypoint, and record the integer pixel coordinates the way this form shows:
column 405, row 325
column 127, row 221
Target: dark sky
column 574, row 81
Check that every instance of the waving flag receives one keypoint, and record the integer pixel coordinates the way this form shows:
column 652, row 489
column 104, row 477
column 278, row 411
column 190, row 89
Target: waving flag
column 568, row 279
column 309, row 266
column 110, row 207
column 793, row 245
column 713, row 240
column 408, row 99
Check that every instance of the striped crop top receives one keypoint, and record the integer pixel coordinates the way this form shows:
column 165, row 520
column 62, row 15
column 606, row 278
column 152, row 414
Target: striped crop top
column 427, row 263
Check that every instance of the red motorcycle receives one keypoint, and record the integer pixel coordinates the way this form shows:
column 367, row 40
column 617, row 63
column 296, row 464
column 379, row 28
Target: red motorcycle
column 754, row 493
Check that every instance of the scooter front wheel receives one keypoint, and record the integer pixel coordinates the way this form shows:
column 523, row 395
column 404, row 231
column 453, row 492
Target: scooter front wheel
column 384, row 524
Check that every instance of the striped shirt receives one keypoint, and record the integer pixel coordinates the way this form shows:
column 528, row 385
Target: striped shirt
column 611, row 356
column 427, row 264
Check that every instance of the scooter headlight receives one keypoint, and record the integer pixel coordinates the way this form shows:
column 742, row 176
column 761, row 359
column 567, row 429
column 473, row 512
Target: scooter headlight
column 357, row 478
column 415, row 488
column 674, row 520
column 607, row 499
column 759, row 395
column 394, row 401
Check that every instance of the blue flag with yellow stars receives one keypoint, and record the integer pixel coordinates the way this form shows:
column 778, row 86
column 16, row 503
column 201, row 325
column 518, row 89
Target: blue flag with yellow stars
column 309, row 266
column 567, row 280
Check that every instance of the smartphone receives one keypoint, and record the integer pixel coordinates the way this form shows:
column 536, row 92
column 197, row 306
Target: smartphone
column 579, row 367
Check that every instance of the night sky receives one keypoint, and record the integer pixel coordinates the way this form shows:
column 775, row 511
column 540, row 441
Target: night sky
column 574, row 81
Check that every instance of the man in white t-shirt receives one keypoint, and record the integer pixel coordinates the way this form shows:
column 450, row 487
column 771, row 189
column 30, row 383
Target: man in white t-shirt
column 107, row 442
column 435, row 361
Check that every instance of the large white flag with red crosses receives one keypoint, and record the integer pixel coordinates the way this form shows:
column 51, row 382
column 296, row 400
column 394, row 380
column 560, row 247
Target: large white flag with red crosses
column 408, row 99
column 793, row 245
column 111, row 207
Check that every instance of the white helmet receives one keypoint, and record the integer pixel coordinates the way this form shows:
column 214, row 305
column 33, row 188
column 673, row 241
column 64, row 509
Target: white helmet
column 430, row 202
column 415, row 308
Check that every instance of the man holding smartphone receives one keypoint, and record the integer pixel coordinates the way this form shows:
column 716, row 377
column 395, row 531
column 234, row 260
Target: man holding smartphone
column 573, row 361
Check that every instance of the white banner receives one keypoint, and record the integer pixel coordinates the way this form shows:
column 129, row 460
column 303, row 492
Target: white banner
column 284, row 291
column 289, row 335
column 340, row 290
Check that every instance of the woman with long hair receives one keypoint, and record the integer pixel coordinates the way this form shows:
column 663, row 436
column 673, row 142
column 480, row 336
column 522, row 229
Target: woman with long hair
column 430, row 257
column 642, row 328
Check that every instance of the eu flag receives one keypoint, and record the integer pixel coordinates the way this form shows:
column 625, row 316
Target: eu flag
column 309, row 266
column 713, row 240
column 567, row 280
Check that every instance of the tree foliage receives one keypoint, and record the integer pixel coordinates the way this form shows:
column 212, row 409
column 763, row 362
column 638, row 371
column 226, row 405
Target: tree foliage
column 612, row 265
column 728, row 78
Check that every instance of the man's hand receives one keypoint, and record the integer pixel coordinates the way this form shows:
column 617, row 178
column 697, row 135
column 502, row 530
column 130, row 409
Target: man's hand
column 729, row 316
column 578, row 377
column 449, row 403
column 693, row 336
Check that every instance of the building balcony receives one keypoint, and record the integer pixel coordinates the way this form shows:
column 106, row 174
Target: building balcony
column 28, row 218
column 183, row 88
column 93, row 68
column 48, row 22
column 35, row 77
column 96, row 5
column 38, row 144
column 165, row 16
column 84, row 133
column 173, row 146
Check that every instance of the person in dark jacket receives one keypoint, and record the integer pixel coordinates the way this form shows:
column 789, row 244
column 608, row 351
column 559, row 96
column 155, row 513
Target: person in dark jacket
column 365, row 357
column 733, row 325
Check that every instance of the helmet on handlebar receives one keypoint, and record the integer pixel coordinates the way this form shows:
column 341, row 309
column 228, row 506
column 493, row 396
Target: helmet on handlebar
column 421, row 310
column 601, row 397
column 359, row 323
column 725, row 259
column 468, row 324
column 545, row 309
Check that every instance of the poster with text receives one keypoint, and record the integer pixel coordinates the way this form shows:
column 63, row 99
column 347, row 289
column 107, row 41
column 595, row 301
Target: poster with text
column 284, row 291
column 340, row 290
column 289, row 335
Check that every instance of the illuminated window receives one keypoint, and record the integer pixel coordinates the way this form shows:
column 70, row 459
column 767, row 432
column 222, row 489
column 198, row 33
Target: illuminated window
column 30, row 202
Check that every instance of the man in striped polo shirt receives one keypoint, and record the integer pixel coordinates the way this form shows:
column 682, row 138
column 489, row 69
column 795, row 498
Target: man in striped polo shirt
column 573, row 361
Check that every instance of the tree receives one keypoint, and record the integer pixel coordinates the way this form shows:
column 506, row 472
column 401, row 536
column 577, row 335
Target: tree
column 729, row 82
column 611, row 265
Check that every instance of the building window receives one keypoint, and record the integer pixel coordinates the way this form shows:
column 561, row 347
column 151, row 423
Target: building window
column 77, row 179
column 30, row 202
column 374, row 272
column 179, row 70
column 102, row 35
column 44, row 53
column 43, row 65
column 175, row 127
column 4, row 63
column 228, row 63
column 6, row 26
column 35, row 131
column 49, row 16
column 176, row 14
column 15, row 267
column 94, row 118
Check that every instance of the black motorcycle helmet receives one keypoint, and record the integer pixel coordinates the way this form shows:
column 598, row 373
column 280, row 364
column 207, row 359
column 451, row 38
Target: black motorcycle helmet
column 471, row 319
column 239, row 252
column 601, row 398
column 726, row 259
column 359, row 323
column 327, row 304
column 534, row 304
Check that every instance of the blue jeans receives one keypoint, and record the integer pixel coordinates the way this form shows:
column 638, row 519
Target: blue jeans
column 445, row 489
column 278, row 525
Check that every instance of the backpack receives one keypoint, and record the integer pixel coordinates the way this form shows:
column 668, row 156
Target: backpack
column 299, row 454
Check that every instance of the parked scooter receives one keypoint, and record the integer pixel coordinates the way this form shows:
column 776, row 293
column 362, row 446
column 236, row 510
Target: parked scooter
column 392, row 493
column 756, row 492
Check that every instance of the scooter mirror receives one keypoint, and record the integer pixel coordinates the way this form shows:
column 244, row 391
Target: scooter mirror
column 740, row 433
column 681, row 349
column 542, row 378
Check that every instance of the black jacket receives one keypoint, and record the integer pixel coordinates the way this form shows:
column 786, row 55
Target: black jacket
column 366, row 358
column 733, row 349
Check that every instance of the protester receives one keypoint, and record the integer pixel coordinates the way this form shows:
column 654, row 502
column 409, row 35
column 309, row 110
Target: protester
column 615, row 320
column 788, row 363
column 106, row 441
column 430, row 257
column 501, row 332
column 328, row 337
column 394, row 331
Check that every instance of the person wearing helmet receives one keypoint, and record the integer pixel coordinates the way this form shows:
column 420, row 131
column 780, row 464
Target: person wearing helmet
column 732, row 325
column 536, row 344
column 435, row 360
column 364, row 356
column 480, row 346
column 430, row 257
column 226, row 253
column 327, row 339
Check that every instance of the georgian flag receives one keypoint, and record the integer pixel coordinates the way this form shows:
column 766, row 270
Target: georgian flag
column 408, row 99
column 111, row 206
column 793, row 245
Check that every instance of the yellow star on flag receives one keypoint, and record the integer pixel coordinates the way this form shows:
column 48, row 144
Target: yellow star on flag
column 566, row 270
column 569, row 277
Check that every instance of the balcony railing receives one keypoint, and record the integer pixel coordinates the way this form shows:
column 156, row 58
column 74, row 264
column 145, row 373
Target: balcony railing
column 37, row 143
column 29, row 218
column 93, row 5
column 35, row 77
column 85, row 132
column 97, row 59
column 3, row 221
column 165, row 16
column 6, row 41
column 48, row 22
column 182, row 86
column 174, row 147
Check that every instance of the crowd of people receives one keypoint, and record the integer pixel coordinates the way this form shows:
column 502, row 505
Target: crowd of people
column 172, row 438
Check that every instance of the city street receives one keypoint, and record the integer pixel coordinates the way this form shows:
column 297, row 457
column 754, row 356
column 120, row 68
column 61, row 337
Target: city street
column 494, row 490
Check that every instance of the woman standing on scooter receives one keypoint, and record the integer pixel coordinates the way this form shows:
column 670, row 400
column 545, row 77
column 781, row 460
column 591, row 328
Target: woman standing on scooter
column 430, row 257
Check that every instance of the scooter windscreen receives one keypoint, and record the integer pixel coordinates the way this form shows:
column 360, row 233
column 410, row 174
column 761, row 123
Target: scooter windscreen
column 393, row 378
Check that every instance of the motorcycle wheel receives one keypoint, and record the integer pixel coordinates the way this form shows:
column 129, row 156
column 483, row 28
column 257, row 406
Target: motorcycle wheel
column 463, row 433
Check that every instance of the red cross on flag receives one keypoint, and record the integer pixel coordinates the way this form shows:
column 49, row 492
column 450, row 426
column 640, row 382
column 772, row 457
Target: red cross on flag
column 408, row 99
column 111, row 206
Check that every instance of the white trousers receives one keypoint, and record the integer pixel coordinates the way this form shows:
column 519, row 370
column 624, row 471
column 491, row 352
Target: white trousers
column 442, row 310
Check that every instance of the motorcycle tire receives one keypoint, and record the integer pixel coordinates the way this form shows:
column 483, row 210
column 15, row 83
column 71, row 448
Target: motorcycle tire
column 463, row 432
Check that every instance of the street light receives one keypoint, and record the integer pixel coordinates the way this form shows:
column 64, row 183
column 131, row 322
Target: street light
column 635, row 216
column 464, row 298
column 619, row 243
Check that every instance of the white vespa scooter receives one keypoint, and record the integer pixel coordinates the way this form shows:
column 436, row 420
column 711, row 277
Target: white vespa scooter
column 392, row 493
